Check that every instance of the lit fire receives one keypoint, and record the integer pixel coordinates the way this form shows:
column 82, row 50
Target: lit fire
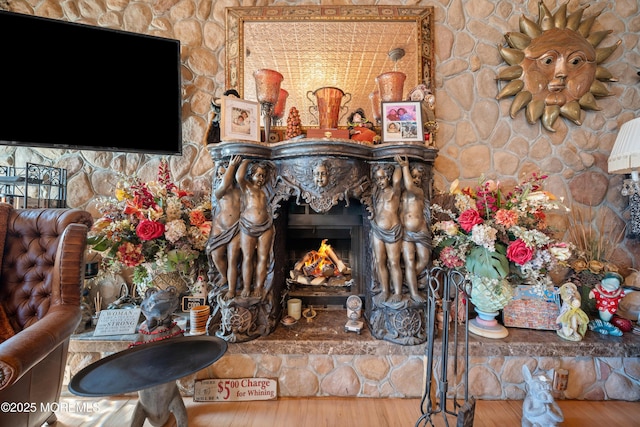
column 318, row 263
column 321, row 267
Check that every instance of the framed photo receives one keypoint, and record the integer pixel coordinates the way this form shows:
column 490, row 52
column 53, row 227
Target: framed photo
column 402, row 122
column 239, row 119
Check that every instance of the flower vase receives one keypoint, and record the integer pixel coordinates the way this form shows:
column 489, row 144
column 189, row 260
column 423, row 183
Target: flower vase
column 163, row 280
column 486, row 325
column 489, row 296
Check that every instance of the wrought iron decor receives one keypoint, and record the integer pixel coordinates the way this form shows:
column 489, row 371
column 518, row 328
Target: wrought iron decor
column 445, row 288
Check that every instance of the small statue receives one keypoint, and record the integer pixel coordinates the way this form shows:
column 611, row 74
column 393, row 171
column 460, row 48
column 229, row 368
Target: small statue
column 158, row 307
column 572, row 320
column 608, row 294
column 360, row 128
column 427, row 106
column 158, row 402
column 539, row 409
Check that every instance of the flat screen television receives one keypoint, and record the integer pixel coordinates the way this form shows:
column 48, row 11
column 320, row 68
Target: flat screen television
column 74, row 86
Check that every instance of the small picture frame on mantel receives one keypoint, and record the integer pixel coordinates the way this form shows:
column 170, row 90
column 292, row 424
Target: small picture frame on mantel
column 402, row 122
column 239, row 120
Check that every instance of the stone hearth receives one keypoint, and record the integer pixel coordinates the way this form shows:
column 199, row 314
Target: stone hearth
column 321, row 359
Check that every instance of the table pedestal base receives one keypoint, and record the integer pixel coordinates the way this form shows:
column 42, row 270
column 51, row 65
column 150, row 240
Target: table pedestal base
column 157, row 403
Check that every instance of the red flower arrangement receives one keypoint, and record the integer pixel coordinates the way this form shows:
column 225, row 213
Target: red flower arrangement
column 152, row 227
column 495, row 235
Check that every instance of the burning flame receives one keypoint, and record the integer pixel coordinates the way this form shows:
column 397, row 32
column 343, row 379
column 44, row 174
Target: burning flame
column 316, row 261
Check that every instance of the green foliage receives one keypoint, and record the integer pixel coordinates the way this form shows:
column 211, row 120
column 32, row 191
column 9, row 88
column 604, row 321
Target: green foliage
column 484, row 263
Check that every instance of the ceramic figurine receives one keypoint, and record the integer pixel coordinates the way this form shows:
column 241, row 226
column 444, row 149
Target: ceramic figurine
column 572, row 320
column 360, row 128
column 608, row 294
column 427, row 101
column 158, row 307
column 539, row 409
column 604, row 328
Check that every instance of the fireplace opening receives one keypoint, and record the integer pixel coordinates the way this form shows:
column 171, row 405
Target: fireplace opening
column 341, row 229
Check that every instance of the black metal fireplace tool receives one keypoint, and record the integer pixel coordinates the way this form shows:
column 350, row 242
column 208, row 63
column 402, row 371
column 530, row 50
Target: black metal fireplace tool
column 448, row 288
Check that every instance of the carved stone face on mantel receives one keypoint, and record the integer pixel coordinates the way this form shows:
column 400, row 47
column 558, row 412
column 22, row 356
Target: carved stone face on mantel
column 318, row 185
column 321, row 174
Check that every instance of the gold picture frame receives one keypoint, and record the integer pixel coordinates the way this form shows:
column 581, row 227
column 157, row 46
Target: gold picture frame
column 415, row 36
column 239, row 120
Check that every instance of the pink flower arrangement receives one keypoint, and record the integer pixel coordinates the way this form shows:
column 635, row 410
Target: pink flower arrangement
column 152, row 227
column 497, row 235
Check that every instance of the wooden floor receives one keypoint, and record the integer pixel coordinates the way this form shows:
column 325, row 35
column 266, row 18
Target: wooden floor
column 337, row 412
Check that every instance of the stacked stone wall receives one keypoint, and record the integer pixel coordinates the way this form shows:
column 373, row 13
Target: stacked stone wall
column 476, row 137
column 399, row 376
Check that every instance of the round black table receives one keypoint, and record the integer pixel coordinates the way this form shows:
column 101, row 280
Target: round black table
column 150, row 369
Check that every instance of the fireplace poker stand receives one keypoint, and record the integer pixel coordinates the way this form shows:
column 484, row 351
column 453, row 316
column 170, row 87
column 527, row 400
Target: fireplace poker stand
column 447, row 287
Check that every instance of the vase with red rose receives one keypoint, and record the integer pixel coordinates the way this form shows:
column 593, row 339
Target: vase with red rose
column 497, row 237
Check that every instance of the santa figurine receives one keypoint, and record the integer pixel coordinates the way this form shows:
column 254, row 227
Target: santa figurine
column 608, row 294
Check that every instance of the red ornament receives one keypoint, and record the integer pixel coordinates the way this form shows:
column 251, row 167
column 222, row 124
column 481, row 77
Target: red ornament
column 621, row 323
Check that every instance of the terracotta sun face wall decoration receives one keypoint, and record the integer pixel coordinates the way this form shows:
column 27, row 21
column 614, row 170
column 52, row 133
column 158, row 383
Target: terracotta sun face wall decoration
column 554, row 66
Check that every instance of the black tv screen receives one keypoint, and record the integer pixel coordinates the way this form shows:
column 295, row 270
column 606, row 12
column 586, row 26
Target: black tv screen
column 74, row 86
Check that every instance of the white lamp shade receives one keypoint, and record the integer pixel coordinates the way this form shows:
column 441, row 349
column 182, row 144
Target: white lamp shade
column 625, row 156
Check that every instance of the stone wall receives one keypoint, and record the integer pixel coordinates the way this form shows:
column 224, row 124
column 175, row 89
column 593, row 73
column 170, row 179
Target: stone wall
column 476, row 137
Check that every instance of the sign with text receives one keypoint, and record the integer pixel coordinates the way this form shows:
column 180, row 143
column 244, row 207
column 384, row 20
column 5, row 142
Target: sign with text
column 227, row 390
column 189, row 302
column 117, row 322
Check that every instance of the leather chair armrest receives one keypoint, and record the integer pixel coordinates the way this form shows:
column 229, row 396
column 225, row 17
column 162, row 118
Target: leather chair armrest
column 24, row 350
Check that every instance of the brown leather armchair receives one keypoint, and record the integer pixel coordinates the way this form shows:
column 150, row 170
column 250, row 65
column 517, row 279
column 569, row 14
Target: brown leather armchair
column 41, row 274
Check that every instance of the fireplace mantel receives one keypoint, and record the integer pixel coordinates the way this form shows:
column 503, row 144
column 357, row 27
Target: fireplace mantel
column 312, row 147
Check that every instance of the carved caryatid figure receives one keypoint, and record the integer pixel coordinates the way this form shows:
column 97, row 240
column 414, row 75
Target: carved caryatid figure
column 387, row 230
column 224, row 244
column 416, row 239
column 256, row 226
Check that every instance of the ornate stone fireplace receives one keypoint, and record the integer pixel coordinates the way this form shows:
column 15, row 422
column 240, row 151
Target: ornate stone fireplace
column 310, row 190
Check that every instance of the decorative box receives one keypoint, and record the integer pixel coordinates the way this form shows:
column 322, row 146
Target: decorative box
column 532, row 311
column 335, row 133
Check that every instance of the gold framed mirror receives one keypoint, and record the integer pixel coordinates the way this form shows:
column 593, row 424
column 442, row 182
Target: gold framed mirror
column 336, row 46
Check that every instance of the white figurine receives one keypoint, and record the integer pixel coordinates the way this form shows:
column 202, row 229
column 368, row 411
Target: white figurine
column 572, row 320
column 539, row 409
